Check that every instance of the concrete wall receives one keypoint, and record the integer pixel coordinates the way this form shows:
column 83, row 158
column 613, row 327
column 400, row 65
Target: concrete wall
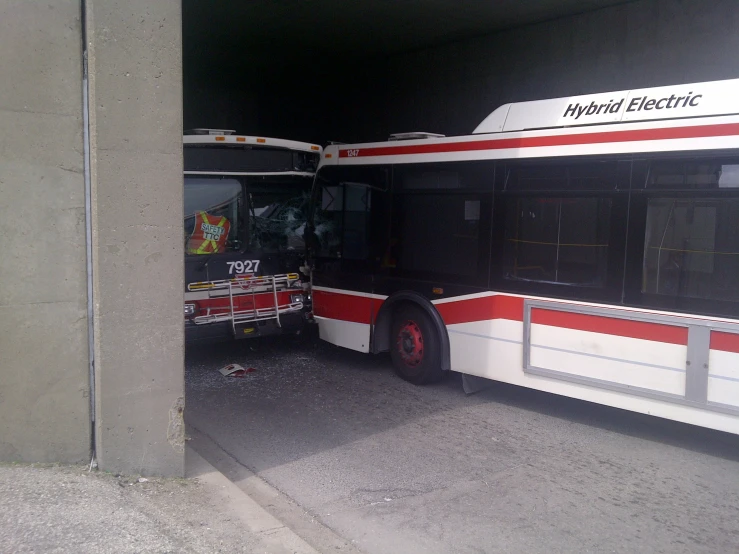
column 450, row 89
column 136, row 130
column 44, row 385
column 134, row 52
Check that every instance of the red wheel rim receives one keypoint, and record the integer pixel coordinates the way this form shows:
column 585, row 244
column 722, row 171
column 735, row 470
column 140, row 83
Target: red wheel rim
column 409, row 344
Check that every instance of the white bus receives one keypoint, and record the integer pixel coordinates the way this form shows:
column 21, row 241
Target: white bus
column 584, row 246
column 246, row 201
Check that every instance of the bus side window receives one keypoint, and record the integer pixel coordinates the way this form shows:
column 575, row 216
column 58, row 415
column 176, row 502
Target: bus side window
column 561, row 240
column 328, row 221
column 441, row 216
column 684, row 248
column 691, row 248
column 440, row 234
column 342, row 223
column 349, row 219
column 357, row 200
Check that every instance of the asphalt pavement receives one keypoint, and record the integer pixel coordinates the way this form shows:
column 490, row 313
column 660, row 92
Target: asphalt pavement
column 389, row 467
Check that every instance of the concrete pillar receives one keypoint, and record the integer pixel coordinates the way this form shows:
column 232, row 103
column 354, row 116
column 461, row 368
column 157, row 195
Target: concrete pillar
column 135, row 68
column 44, row 375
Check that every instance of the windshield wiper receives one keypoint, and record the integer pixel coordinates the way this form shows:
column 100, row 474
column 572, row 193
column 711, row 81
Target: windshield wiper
column 207, row 259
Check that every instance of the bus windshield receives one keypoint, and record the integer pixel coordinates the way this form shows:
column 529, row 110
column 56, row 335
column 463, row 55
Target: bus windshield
column 219, row 217
column 213, row 207
column 277, row 215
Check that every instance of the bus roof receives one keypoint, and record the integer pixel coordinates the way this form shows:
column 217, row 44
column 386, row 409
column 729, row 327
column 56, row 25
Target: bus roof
column 224, row 139
column 692, row 117
column 670, row 102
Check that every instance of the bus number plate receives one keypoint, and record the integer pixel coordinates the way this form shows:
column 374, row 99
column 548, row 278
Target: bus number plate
column 247, row 266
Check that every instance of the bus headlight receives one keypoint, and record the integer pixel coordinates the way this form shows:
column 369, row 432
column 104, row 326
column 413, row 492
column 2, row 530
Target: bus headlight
column 190, row 310
column 296, row 298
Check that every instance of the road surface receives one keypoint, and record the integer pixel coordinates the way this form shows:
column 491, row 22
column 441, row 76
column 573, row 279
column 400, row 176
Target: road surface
column 392, row 467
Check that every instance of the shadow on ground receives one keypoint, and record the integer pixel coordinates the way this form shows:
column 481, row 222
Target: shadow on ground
column 310, row 396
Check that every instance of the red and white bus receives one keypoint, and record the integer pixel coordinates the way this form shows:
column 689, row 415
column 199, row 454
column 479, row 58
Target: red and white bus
column 246, row 201
column 584, row 246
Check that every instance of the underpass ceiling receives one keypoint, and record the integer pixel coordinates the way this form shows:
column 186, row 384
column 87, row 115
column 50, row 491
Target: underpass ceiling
column 288, row 35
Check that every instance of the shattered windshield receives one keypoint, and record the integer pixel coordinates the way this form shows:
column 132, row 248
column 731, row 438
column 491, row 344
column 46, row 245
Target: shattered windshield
column 277, row 216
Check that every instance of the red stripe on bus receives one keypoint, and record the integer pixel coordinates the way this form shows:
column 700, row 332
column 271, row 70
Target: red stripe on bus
column 481, row 309
column 728, row 342
column 346, row 307
column 360, row 309
column 222, row 304
column 664, row 133
column 611, row 326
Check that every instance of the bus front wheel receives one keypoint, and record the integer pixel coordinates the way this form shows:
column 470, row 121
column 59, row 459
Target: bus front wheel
column 414, row 347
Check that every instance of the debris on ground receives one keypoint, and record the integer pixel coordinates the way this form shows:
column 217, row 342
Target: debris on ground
column 235, row 370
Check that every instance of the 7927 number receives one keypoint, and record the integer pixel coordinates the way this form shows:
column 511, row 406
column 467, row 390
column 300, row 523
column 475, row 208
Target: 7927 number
column 246, row 266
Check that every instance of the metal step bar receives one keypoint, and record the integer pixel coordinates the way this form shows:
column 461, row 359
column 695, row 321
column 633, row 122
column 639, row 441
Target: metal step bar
column 244, row 286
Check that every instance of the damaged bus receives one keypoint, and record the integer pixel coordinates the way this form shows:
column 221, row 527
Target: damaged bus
column 245, row 207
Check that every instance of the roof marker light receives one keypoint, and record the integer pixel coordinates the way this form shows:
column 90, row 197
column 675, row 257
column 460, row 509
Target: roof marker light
column 261, row 140
column 414, row 135
column 220, row 138
column 240, row 139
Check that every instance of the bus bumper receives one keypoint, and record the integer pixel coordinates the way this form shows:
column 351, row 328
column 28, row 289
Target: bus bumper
column 292, row 323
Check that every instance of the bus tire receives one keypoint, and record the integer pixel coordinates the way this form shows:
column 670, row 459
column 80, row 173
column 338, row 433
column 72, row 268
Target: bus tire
column 414, row 346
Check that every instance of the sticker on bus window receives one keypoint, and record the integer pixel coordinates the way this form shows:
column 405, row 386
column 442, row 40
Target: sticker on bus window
column 471, row 210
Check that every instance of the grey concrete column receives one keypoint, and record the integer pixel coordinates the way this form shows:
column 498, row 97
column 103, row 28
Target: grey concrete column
column 44, row 384
column 135, row 67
